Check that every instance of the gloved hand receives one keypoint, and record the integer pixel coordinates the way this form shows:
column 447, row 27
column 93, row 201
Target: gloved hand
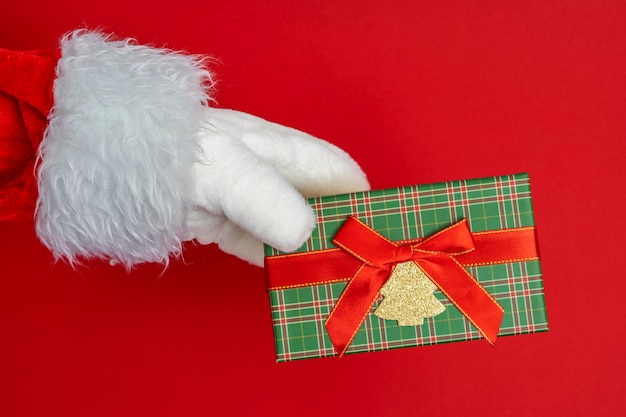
column 134, row 160
column 251, row 179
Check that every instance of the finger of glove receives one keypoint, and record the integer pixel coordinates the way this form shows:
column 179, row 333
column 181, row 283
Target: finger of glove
column 231, row 180
column 236, row 241
column 206, row 228
column 203, row 226
column 314, row 166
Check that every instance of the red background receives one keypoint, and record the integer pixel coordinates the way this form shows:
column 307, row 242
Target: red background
column 417, row 92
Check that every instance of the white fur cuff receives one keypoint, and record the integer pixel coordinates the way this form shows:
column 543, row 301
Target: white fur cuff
column 115, row 157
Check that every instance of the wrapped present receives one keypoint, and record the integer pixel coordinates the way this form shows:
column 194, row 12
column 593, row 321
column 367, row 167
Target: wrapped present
column 410, row 266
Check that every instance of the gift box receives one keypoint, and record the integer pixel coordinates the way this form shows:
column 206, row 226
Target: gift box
column 410, row 266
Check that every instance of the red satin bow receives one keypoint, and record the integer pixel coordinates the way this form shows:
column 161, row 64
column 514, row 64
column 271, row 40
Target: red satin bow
column 435, row 256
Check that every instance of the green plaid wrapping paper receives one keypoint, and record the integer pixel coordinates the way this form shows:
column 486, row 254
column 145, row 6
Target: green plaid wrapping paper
column 404, row 213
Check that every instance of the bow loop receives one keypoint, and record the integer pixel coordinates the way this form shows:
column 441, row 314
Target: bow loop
column 453, row 240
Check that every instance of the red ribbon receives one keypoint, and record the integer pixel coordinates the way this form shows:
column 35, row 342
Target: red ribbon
column 435, row 256
column 301, row 269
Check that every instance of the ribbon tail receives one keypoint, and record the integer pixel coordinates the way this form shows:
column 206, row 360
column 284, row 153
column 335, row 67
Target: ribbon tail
column 462, row 289
column 354, row 305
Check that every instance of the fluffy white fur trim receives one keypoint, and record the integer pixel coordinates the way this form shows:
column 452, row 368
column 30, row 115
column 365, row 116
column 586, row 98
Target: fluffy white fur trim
column 115, row 158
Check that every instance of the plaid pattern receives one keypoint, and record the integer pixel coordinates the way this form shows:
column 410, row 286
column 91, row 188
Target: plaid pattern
column 404, row 213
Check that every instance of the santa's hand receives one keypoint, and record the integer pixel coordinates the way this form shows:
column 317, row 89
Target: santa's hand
column 250, row 181
column 133, row 160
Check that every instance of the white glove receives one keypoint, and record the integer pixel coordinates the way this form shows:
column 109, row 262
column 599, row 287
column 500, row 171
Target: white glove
column 251, row 180
column 134, row 162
